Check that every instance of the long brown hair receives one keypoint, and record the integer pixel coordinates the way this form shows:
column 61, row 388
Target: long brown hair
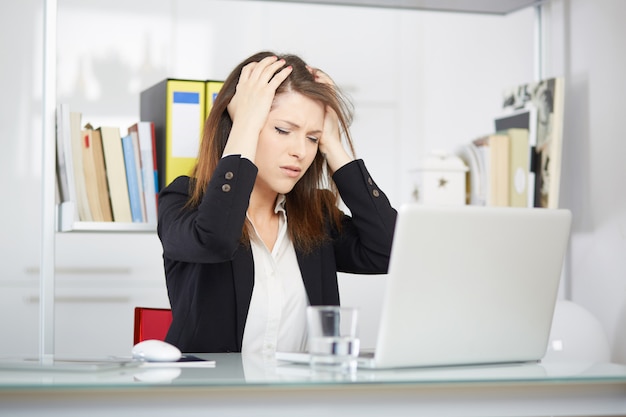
column 306, row 206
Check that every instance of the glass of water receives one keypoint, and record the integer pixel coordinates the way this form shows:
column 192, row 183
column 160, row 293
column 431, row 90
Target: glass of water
column 333, row 336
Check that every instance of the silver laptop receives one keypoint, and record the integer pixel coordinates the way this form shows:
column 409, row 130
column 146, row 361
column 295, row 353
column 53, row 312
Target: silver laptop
column 469, row 285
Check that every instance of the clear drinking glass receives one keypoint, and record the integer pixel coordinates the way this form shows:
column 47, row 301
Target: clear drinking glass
column 333, row 336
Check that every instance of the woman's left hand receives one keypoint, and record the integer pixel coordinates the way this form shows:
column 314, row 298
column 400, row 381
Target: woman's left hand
column 330, row 142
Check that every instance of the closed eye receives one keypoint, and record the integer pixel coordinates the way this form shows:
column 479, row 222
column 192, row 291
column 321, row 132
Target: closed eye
column 282, row 131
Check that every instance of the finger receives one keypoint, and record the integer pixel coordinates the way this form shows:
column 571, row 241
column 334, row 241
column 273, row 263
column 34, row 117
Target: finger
column 253, row 69
column 320, row 76
column 258, row 70
column 266, row 67
column 311, row 70
column 280, row 76
column 247, row 70
column 271, row 70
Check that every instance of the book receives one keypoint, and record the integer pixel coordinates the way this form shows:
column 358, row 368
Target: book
column 139, row 171
column 499, row 168
column 481, row 146
column 154, row 162
column 177, row 108
column 101, row 176
column 518, row 167
column 493, row 156
column 144, row 131
column 64, row 166
column 116, row 173
column 476, row 195
column 547, row 98
column 92, row 170
column 524, row 119
column 82, row 201
column 132, row 179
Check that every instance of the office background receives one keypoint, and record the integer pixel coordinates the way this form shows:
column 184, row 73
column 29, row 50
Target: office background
column 419, row 81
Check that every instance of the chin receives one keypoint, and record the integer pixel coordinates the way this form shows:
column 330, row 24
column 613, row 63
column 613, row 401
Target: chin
column 284, row 188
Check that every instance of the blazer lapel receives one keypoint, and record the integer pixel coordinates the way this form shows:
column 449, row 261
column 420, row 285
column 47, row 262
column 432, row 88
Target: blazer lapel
column 243, row 277
column 311, row 270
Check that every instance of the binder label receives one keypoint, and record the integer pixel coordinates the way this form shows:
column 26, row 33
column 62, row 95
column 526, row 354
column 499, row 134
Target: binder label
column 186, row 111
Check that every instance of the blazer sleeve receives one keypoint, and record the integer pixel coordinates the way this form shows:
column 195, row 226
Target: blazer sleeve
column 363, row 244
column 211, row 232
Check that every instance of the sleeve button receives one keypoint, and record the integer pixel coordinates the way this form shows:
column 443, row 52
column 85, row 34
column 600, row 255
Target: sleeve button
column 375, row 193
column 369, row 181
column 229, row 175
column 226, row 188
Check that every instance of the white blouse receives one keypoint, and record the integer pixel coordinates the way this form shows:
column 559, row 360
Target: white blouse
column 277, row 314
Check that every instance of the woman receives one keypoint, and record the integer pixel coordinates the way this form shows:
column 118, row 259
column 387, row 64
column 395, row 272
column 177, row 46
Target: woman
column 251, row 238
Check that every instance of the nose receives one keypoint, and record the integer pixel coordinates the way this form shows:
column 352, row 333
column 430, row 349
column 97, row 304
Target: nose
column 297, row 147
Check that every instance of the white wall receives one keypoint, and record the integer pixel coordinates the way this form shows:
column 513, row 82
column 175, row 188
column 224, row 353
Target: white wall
column 419, row 81
column 586, row 44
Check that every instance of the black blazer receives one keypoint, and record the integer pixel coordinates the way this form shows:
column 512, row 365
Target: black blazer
column 210, row 274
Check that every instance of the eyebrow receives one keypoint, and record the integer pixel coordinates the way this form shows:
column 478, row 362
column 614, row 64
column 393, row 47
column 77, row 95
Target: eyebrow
column 297, row 126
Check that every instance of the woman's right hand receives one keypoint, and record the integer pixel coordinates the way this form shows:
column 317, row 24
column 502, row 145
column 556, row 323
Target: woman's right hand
column 251, row 104
column 256, row 89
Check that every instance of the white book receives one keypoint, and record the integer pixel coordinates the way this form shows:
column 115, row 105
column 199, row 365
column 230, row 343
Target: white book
column 82, row 202
column 64, row 165
column 148, row 176
column 138, row 168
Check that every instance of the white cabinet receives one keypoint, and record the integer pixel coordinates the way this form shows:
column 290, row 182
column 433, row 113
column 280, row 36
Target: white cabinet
column 93, row 312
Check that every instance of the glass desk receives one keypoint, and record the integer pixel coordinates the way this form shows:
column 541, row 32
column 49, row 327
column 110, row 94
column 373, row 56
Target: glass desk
column 256, row 386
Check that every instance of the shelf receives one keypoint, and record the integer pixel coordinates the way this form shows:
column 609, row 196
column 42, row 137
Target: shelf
column 111, row 227
column 66, row 223
column 497, row 7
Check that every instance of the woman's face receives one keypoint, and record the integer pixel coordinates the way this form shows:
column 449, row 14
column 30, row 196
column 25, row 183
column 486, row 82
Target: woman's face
column 288, row 142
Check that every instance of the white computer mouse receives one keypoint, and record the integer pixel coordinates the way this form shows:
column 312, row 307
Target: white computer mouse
column 153, row 350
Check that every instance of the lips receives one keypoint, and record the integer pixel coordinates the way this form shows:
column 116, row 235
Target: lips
column 291, row 171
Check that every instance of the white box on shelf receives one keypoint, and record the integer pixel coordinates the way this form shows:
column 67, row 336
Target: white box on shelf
column 441, row 179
